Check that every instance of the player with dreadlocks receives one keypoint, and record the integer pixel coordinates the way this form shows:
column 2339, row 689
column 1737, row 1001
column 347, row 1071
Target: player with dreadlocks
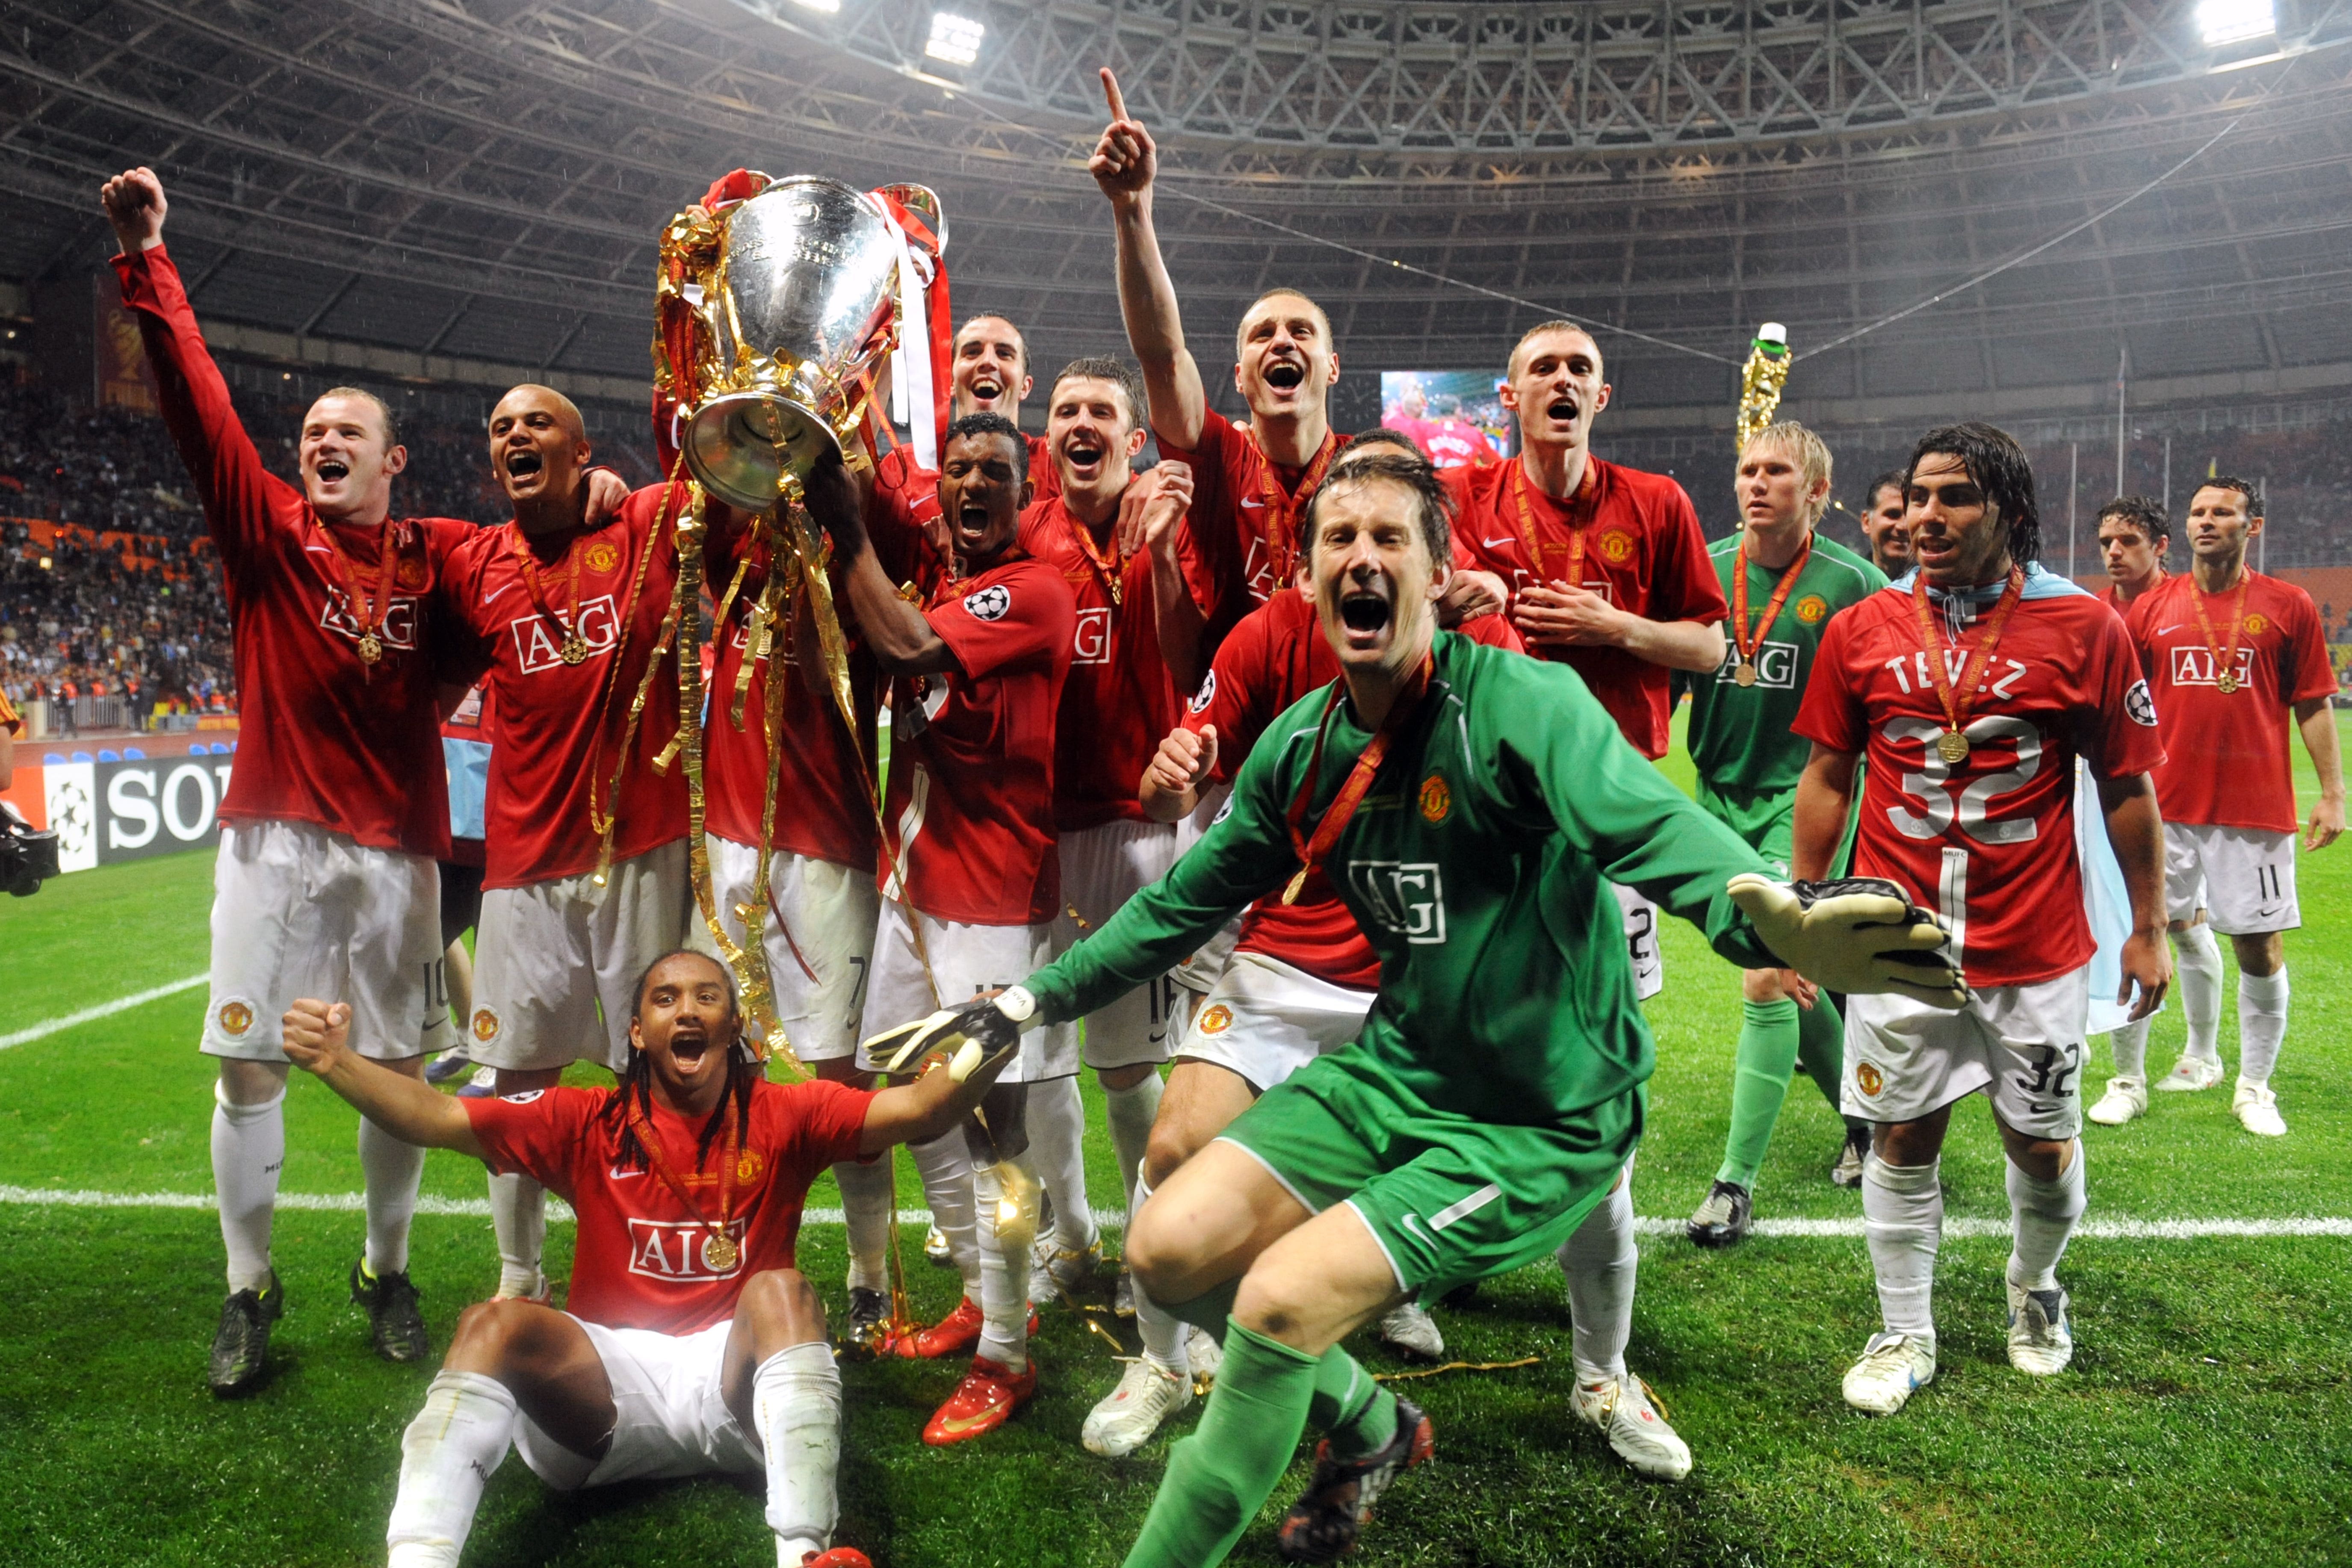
column 692, row 1343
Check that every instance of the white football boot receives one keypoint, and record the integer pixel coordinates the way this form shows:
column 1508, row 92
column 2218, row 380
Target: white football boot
column 1890, row 1367
column 1623, row 1410
column 1147, row 1394
column 2190, row 1074
column 2040, row 1341
column 2125, row 1098
column 2256, row 1109
column 1408, row 1329
column 1205, row 1354
column 935, row 1247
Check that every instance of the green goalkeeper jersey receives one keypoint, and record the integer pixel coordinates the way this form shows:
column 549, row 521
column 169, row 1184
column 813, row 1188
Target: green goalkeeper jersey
column 1476, row 866
column 1743, row 738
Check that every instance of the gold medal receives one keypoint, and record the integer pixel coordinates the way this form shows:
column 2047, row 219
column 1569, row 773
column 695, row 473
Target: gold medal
column 574, row 649
column 720, row 1253
column 371, row 649
column 1953, row 747
column 2226, row 683
column 1745, row 675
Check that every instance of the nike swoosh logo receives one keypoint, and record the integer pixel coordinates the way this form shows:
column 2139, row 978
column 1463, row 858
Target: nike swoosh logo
column 491, row 596
column 1253, row 505
column 2173, row 628
column 618, row 1175
column 960, row 1424
column 1490, row 544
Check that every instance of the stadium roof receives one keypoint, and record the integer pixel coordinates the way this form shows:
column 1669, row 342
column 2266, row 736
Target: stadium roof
column 486, row 177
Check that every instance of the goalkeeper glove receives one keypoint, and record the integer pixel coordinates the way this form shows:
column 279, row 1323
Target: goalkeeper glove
column 979, row 1032
column 1856, row 935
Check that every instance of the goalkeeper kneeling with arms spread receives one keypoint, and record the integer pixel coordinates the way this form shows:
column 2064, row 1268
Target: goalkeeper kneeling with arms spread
column 1471, row 805
column 692, row 1344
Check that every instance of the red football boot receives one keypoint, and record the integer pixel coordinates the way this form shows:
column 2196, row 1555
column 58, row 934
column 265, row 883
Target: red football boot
column 985, row 1399
column 954, row 1335
column 839, row 1557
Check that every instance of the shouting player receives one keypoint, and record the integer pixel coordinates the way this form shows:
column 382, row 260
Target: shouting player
column 974, row 882
column 1971, row 685
column 691, row 1343
column 337, row 810
column 1883, row 525
column 1785, row 581
column 584, row 878
column 1467, row 803
column 2230, row 653
column 1604, row 567
column 2134, row 536
column 1117, row 703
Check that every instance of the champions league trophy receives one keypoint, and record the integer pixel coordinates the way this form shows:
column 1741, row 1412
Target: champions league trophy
column 1760, row 380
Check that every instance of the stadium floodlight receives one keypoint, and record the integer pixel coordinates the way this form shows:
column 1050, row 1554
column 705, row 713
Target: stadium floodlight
column 830, row 7
column 955, row 40
column 2220, row 22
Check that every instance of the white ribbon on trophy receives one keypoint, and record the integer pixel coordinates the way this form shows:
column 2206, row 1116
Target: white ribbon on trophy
column 910, row 373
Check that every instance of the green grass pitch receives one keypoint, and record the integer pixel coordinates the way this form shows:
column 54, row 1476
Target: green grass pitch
column 2208, row 1417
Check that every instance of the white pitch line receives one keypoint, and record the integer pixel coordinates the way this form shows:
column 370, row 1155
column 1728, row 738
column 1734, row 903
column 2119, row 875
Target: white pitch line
column 103, row 1010
column 1113, row 1219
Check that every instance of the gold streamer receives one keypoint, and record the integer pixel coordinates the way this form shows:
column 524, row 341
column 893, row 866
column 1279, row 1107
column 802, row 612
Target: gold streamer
column 1760, row 380
column 1456, row 1366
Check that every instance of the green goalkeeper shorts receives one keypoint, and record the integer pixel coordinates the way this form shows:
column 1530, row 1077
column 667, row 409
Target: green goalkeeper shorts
column 1449, row 1199
column 1767, row 820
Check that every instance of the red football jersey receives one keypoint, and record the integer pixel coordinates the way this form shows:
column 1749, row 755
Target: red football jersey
column 327, row 737
column 1230, row 519
column 824, row 805
column 559, row 725
column 1988, row 842
column 1277, row 655
column 1642, row 552
column 2226, row 760
column 636, row 1261
column 1045, row 479
column 1454, row 442
column 1118, row 699
column 971, row 803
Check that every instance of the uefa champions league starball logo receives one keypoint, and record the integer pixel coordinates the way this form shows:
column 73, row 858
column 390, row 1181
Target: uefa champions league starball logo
column 71, row 818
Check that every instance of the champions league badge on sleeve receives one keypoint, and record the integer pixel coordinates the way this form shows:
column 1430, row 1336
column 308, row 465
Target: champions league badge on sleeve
column 988, row 603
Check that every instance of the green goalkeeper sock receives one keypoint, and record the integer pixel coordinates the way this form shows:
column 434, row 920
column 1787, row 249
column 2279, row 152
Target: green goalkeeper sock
column 1821, row 1050
column 1219, row 1477
column 1359, row 1415
column 1767, row 1057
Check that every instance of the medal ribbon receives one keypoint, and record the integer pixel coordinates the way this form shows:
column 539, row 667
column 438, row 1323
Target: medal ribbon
column 1956, row 702
column 2223, row 664
column 1283, row 508
column 1520, row 487
column 1755, row 645
column 1311, row 851
column 642, row 1127
column 371, row 607
column 1108, row 569
column 520, row 544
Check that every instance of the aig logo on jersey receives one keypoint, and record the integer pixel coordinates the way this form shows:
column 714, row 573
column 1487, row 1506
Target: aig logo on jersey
column 1406, row 897
column 2194, row 666
column 1093, row 642
column 539, row 641
column 1776, row 665
column 659, row 1249
column 399, row 628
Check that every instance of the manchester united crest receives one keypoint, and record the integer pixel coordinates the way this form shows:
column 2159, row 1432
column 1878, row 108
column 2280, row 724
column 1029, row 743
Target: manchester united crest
column 1868, row 1078
column 1436, row 799
column 2257, row 624
column 236, row 1018
column 410, row 574
column 1811, row 608
column 1616, row 547
column 603, row 556
column 486, row 1024
column 1217, row 1019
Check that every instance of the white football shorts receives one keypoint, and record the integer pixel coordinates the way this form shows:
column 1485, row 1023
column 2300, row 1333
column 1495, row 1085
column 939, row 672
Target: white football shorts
column 819, row 940
column 1102, row 867
column 2019, row 1045
column 546, row 956
column 965, row 959
column 1198, row 973
column 2243, row 876
column 298, row 912
column 1265, row 1019
column 674, row 1420
column 1641, row 942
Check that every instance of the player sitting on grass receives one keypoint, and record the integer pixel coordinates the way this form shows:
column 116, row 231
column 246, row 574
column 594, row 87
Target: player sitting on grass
column 1497, row 1092
column 692, row 1343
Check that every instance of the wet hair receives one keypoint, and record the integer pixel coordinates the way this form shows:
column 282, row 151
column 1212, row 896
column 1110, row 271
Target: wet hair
column 1814, row 464
column 1432, row 503
column 989, row 424
column 1511, row 366
column 2243, row 487
column 979, row 316
column 636, row 1089
column 1102, row 367
column 383, row 410
column 1892, row 479
column 1282, row 293
column 2144, row 514
column 1996, row 465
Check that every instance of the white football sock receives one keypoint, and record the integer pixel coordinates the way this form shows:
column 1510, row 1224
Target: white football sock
column 945, row 1163
column 249, row 1151
column 1164, row 1337
column 519, row 1216
column 1057, row 1131
column 1903, row 1217
column 446, row 1456
column 1601, row 1260
column 2199, row 961
column 392, row 1170
column 2130, row 1044
column 866, row 1206
column 796, row 1416
column 2044, row 1215
column 2262, row 1024
column 1003, row 1278
column 1131, row 1111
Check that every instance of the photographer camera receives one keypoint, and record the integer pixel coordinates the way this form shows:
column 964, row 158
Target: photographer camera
column 26, row 859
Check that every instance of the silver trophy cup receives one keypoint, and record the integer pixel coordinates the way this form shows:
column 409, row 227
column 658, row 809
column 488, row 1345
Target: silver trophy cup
column 800, row 310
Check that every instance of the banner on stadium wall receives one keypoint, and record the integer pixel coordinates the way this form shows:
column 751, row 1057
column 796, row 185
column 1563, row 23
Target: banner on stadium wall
column 106, row 812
